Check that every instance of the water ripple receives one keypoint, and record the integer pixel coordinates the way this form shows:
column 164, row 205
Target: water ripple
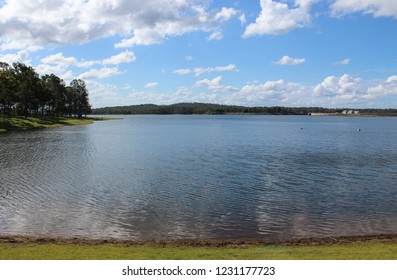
column 150, row 177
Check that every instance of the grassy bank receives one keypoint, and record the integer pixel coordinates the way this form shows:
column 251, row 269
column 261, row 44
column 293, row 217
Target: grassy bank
column 381, row 247
column 372, row 251
column 21, row 123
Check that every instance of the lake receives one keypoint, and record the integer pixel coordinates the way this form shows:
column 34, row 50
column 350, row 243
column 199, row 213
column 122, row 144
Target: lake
column 184, row 177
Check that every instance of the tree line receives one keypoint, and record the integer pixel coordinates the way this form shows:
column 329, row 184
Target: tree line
column 24, row 93
column 200, row 108
column 210, row 109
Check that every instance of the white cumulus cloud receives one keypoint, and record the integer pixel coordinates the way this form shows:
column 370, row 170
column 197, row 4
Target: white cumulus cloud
column 226, row 14
column 351, row 91
column 286, row 60
column 173, row 18
column 216, row 36
column 345, row 86
column 345, row 61
column 215, row 84
column 183, row 71
column 151, row 85
column 21, row 56
column 388, row 87
column 102, row 73
column 59, row 59
column 200, row 70
column 34, row 24
column 120, row 58
column 378, row 8
column 278, row 17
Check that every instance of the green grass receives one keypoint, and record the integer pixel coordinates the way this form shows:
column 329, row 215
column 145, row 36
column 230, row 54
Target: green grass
column 21, row 123
column 49, row 251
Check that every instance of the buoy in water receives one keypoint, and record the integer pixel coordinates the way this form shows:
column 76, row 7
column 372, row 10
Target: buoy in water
column 358, row 129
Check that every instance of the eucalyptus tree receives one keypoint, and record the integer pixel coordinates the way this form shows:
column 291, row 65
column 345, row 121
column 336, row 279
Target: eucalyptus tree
column 7, row 89
column 29, row 88
column 55, row 90
column 79, row 92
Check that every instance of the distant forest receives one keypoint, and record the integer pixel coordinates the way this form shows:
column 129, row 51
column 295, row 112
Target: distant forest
column 24, row 93
column 212, row 109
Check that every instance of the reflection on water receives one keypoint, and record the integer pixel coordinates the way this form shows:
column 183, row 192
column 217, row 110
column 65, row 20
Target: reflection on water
column 167, row 177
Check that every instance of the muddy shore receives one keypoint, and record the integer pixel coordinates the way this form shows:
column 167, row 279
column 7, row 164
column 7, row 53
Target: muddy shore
column 313, row 241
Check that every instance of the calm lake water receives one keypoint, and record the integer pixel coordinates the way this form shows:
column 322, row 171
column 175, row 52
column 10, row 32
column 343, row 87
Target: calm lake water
column 170, row 177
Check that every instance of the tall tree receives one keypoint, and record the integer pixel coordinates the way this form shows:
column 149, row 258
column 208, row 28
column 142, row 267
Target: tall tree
column 55, row 90
column 7, row 89
column 29, row 88
column 81, row 102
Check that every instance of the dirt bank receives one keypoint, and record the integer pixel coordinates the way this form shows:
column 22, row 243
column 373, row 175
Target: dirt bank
column 314, row 241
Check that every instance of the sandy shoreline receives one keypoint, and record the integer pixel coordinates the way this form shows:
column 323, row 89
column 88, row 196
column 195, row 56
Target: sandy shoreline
column 313, row 241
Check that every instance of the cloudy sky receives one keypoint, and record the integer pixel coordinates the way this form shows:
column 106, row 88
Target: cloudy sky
column 330, row 53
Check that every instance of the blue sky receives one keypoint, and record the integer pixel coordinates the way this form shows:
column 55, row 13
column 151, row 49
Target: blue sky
column 329, row 53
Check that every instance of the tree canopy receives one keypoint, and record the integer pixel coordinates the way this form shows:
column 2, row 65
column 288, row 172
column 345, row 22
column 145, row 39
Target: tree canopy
column 24, row 92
